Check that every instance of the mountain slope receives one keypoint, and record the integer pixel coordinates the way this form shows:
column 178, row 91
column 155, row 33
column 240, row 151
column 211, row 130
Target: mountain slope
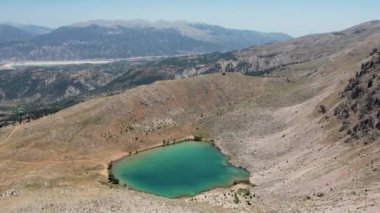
column 360, row 107
column 199, row 31
column 33, row 29
column 10, row 33
column 281, row 57
column 236, row 39
column 271, row 125
column 302, row 57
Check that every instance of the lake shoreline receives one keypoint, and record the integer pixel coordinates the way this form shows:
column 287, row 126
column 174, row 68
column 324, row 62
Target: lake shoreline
column 113, row 180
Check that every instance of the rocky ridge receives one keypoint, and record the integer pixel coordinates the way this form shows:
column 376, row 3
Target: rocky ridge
column 359, row 110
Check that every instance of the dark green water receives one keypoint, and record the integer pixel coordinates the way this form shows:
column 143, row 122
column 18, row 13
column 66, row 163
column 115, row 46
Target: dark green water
column 183, row 169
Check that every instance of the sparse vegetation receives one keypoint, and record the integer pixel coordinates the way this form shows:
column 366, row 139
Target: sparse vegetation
column 28, row 112
column 244, row 192
column 198, row 138
column 267, row 124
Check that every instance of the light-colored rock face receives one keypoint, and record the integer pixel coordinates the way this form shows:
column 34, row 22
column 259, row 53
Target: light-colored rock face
column 269, row 125
column 71, row 91
column 50, row 80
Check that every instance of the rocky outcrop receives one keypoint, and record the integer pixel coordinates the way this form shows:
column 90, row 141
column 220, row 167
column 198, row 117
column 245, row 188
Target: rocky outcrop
column 359, row 110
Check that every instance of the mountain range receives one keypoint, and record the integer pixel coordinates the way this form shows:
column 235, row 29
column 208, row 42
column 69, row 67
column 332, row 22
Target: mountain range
column 122, row 39
column 302, row 116
column 28, row 90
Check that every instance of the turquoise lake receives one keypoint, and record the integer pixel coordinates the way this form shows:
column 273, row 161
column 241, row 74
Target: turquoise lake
column 183, row 169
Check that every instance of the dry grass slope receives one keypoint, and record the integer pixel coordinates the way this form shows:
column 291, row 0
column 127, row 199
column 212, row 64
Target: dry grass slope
column 271, row 126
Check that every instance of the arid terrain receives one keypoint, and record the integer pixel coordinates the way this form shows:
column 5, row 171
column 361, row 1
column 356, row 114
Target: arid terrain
column 272, row 109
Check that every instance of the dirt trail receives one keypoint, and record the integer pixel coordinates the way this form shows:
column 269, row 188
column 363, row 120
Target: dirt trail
column 262, row 87
column 9, row 135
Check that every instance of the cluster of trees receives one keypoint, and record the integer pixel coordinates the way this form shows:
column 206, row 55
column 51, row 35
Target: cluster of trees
column 167, row 142
column 111, row 177
column 9, row 119
column 28, row 112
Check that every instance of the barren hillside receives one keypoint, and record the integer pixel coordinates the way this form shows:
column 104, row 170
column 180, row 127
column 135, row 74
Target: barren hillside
column 273, row 126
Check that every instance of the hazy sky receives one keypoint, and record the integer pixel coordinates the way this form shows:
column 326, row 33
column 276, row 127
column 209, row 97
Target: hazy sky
column 295, row 17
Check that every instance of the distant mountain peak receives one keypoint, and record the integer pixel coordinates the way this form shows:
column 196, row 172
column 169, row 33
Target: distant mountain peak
column 134, row 23
column 30, row 28
column 9, row 33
